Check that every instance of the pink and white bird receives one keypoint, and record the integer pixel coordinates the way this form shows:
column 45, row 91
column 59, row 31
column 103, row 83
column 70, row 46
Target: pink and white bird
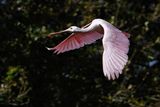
column 115, row 44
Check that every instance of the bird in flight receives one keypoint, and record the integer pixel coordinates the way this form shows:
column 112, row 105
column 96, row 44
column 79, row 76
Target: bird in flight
column 115, row 44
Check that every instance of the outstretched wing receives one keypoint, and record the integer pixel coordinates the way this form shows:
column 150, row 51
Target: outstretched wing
column 115, row 54
column 76, row 40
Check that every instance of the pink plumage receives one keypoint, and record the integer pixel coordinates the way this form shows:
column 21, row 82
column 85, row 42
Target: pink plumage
column 115, row 55
column 76, row 40
column 115, row 44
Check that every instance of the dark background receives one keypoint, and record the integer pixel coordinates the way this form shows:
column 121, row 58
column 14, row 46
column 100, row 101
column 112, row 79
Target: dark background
column 32, row 76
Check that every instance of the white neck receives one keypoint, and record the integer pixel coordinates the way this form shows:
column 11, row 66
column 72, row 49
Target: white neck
column 91, row 27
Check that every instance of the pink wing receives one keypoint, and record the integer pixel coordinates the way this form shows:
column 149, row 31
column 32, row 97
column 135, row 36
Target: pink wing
column 76, row 40
column 115, row 54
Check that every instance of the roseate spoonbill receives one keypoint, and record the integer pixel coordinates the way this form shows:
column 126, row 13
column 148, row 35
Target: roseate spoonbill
column 115, row 44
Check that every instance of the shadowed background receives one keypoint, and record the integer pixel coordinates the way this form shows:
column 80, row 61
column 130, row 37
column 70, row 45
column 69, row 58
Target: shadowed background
column 32, row 76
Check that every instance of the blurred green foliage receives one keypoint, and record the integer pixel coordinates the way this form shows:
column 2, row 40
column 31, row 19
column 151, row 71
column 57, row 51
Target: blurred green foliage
column 31, row 76
column 14, row 87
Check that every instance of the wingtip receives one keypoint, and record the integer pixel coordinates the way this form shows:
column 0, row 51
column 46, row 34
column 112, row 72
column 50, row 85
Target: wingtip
column 48, row 48
column 112, row 78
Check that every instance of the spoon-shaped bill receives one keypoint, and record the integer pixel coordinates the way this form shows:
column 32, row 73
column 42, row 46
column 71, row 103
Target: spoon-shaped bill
column 55, row 33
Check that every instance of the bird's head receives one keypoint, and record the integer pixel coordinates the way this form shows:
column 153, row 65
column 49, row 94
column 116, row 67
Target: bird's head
column 71, row 29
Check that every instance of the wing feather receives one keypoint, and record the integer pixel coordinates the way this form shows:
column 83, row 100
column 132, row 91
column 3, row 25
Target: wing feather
column 117, row 65
column 114, row 66
column 106, row 67
column 76, row 40
column 115, row 54
column 111, row 69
